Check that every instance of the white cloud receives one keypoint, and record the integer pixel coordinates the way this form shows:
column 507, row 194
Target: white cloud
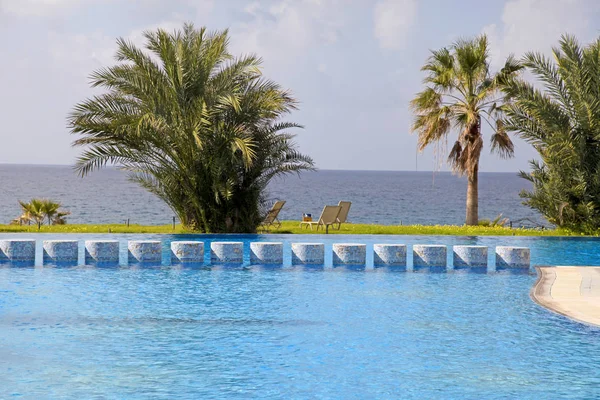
column 56, row 61
column 81, row 53
column 285, row 30
column 536, row 25
column 35, row 7
column 317, row 48
column 40, row 8
column 252, row 8
column 393, row 21
column 202, row 7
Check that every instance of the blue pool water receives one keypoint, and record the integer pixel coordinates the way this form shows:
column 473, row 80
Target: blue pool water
column 255, row 332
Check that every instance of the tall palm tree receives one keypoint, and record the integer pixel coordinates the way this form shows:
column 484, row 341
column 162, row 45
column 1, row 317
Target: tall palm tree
column 461, row 95
column 560, row 117
column 192, row 124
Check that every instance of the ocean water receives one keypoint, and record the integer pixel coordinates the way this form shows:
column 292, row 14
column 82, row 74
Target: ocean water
column 390, row 198
column 220, row 332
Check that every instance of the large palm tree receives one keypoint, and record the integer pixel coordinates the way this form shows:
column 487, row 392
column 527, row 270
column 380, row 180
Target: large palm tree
column 462, row 95
column 197, row 127
column 560, row 117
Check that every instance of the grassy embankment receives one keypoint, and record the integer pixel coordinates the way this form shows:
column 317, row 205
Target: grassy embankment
column 292, row 227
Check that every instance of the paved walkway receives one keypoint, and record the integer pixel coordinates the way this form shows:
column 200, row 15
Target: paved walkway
column 571, row 291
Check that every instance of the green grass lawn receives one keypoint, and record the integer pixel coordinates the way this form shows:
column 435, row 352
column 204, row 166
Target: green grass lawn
column 293, row 227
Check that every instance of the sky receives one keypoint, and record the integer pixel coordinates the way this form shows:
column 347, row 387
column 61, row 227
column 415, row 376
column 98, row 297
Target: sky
column 354, row 65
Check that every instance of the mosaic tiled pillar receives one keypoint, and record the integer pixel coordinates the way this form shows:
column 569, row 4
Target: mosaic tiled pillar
column 349, row 254
column 392, row 255
column 61, row 251
column 266, row 253
column 512, row 257
column 187, row 252
column 429, row 255
column 145, row 251
column 470, row 257
column 227, row 252
column 308, row 253
column 17, row 250
column 102, row 251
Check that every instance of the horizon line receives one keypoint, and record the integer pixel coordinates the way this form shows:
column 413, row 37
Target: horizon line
column 318, row 169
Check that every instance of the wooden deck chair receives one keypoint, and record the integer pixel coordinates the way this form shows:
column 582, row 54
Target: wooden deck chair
column 328, row 218
column 345, row 209
column 271, row 218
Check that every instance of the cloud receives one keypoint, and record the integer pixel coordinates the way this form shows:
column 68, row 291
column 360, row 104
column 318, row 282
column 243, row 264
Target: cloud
column 44, row 8
column 536, row 25
column 203, row 8
column 35, row 7
column 283, row 31
column 56, row 61
column 80, row 53
column 325, row 51
column 393, row 22
column 83, row 53
column 252, row 8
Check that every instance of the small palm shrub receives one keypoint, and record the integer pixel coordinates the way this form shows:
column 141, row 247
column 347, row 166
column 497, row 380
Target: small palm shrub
column 39, row 211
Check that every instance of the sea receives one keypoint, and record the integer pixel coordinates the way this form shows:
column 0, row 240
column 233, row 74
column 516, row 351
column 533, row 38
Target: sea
column 379, row 197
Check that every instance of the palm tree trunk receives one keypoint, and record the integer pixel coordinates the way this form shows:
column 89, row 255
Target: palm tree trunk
column 473, row 196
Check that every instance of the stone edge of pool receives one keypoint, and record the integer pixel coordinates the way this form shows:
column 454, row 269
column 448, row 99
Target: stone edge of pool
column 573, row 292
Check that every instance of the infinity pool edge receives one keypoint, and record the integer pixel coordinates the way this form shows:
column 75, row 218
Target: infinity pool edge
column 573, row 292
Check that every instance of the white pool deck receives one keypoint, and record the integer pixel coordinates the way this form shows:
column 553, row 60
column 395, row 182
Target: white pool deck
column 571, row 291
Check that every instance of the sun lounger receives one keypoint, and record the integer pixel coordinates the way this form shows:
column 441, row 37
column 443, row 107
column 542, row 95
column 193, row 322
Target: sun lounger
column 328, row 218
column 271, row 218
column 345, row 209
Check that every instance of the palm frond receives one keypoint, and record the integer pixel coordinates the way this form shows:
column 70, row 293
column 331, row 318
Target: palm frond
column 562, row 121
column 190, row 123
column 460, row 92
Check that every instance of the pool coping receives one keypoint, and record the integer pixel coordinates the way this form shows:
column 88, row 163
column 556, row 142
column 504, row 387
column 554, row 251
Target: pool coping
column 569, row 299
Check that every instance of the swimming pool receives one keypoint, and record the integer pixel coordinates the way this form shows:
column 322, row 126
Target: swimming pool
column 255, row 332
